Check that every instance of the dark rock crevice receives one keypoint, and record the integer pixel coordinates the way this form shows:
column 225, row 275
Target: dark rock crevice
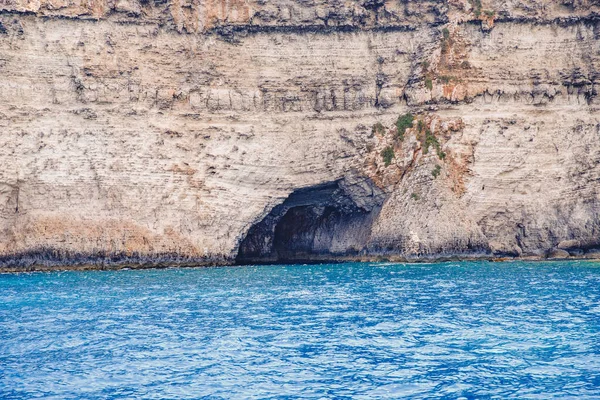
column 322, row 222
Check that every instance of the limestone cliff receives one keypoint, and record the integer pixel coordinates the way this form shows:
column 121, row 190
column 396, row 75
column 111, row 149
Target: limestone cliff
column 209, row 131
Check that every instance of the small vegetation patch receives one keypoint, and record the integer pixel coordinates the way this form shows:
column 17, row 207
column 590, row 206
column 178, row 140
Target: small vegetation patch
column 403, row 123
column 436, row 171
column 378, row 128
column 446, row 33
column 446, row 41
column 476, row 7
column 414, row 196
column 428, row 83
column 428, row 140
column 387, row 154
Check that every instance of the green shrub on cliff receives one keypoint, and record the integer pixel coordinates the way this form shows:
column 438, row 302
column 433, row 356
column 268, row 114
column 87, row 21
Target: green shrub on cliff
column 476, row 7
column 446, row 41
column 430, row 140
column 403, row 123
column 429, row 84
column 446, row 33
column 388, row 155
column 436, row 171
column 378, row 128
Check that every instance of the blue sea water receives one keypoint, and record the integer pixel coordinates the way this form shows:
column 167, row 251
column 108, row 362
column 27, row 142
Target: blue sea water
column 449, row 330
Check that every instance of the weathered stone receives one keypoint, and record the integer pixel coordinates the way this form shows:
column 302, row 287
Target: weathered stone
column 557, row 253
column 167, row 130
column 592, row 253
column 569, row 244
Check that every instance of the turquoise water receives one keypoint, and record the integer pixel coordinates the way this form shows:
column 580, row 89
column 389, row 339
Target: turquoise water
column 470, row 330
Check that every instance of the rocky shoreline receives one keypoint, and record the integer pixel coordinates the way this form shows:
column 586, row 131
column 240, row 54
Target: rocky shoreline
column 18, row 266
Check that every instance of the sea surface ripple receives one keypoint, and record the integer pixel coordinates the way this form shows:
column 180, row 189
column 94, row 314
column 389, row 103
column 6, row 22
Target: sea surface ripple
column 355, row 330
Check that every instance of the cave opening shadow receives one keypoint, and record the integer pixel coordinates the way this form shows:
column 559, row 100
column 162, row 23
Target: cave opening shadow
column 326, row 222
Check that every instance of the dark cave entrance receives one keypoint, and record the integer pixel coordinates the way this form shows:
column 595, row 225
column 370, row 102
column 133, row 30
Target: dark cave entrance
column 313, row 224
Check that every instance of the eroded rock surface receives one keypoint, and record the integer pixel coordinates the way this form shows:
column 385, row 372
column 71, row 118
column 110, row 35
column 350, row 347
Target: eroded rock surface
column 164, row 132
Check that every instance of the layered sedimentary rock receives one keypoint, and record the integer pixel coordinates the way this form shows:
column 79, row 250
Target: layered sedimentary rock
column 201, row 132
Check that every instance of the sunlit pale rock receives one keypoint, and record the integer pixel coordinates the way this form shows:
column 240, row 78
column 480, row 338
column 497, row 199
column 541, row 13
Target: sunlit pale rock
column 136, row 131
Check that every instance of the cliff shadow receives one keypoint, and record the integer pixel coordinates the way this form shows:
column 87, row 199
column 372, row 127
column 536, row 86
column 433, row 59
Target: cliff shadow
column 317, row 223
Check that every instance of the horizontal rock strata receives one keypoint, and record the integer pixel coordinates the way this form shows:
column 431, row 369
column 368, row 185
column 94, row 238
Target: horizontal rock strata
column 167, row 132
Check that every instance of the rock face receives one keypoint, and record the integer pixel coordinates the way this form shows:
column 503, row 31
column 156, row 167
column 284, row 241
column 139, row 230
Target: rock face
column 201, row 132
